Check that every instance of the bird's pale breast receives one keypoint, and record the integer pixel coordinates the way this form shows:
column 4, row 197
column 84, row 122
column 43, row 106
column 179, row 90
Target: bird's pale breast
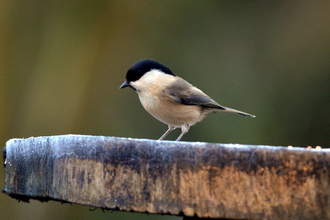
column 170, row 112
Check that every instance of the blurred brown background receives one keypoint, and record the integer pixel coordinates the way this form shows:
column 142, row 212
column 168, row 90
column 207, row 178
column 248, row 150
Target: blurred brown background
column 61, row 63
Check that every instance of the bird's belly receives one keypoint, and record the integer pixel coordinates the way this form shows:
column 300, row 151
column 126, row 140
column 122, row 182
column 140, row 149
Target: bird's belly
column 172, row 113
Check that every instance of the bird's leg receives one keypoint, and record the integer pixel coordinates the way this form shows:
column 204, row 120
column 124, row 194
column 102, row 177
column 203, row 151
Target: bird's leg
column 184, row 130
column 170, row 128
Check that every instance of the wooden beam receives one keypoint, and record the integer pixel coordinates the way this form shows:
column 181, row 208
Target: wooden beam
column 178, row 178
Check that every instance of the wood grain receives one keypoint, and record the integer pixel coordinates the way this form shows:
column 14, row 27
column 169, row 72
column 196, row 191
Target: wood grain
column 166, row 177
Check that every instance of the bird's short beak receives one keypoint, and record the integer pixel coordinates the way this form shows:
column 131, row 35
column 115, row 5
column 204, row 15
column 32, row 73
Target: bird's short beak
column 125, row 84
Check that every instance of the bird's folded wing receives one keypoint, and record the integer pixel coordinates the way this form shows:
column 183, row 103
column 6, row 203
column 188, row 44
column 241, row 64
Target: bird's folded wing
column 184, row 93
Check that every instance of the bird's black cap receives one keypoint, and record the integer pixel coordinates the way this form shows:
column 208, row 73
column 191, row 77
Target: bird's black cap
column 141, row 67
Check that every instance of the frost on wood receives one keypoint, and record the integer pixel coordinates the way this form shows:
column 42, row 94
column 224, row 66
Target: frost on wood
column 167, row 177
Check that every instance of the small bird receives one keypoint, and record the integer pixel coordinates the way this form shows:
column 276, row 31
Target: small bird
column 169, row 98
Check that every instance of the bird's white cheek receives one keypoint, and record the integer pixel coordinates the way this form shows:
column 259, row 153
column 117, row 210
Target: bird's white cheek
column 137, row 86
column 148, row 80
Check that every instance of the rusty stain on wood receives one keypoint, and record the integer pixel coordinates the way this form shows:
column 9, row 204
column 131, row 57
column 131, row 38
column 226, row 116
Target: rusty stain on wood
column 166, row 177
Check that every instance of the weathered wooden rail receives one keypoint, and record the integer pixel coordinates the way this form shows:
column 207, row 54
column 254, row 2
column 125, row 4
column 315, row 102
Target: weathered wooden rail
column 177, row 178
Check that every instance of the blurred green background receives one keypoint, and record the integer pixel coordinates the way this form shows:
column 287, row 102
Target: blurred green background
column 61, row 63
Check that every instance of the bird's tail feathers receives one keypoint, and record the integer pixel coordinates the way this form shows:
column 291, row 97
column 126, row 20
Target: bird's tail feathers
column 230, row 110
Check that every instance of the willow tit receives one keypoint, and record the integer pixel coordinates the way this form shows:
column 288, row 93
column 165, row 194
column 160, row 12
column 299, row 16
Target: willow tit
column 169, row 98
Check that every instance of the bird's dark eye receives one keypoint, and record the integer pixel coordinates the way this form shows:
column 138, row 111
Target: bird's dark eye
column 137, row 76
